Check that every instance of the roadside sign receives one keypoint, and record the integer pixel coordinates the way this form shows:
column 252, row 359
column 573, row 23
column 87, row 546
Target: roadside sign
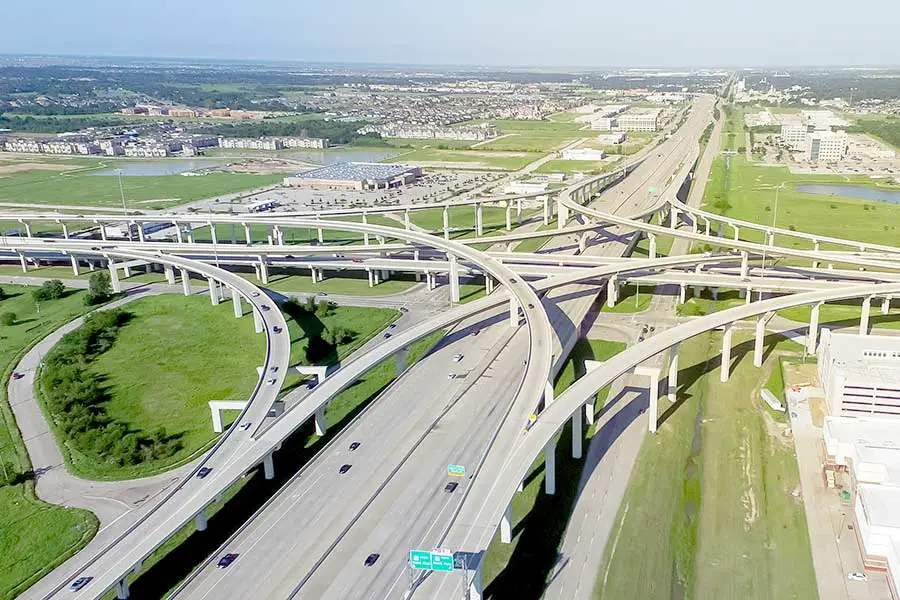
column 456, row 470
column 441, row 561
column 420, row 559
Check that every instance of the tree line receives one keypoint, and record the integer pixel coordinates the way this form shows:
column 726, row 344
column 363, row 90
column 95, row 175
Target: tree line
column 336, row 131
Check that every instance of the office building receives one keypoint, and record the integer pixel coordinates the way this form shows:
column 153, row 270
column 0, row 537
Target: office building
column 305, row 142
column 583, row 154
column 826, row 146
column 356, row 176
column 604, row 123
column 251, row 143
column 610, row 139
column 794, row 136
column 860, row 374
column 640, row 121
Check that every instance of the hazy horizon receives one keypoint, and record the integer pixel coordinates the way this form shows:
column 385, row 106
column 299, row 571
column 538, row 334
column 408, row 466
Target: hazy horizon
column 528, row 33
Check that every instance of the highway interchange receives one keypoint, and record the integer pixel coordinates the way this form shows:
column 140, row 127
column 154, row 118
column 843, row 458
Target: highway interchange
column 311, row 539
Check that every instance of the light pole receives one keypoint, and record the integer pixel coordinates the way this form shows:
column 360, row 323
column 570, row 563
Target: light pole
column 124, row 209
column 766, row 241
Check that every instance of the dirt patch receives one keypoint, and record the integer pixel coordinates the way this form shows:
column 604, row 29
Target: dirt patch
column 264, row 166
column 441, row 164
column 32, row 167
column 802, row 374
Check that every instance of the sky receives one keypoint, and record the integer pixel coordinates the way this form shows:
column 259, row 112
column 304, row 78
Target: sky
column 586, row 33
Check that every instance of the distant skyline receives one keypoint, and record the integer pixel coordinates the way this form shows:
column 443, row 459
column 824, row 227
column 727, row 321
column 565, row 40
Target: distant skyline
column 578, row 33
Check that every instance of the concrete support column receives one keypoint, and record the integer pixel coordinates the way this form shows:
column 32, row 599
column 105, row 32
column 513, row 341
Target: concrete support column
column 371, row 278
column 693, row 224
column 263, row 270
column 563, row 215
column 75, row 270
column 582, row 243
column 682, row 292
column 170, row 274
column 319, row 233
column 885, row 305
column 550, row 467
column 185, row 282
column 406, row 224
column 758, row 341
column 126, row 270
column 488, row 285
column 813, row 333
column 864, row 316
column 476, row 586
column 673, row 373
column 673, row 218
column 707, row 227
column 200, row 521
column 376, row 274
column 233, row 234
column 454, row 279
column 400, row 361
column 320, row 421
column 23, row 263
column 189, row 229
column 589, row 408
column 815, row 264
column 268, row 467
column 652, row 237
column 577, row 434
column 365, row 221
column 745, row 264
column 506, row 526
column 513, row 312
column 122, row 589
column 446, row 223
column 479, row 220
column 546, row 210
column 725, row 370
column 548, row 393
column 65, row 229
column 213, row 234
column 612, row 290
column 114, row 277
column 248, row 237
column 257, row 321
column 737, row 233
column 236, row 303
column 518, row 211
column 770, row 238
column 27, row 229
column 653, row 389
column 213, row 291
column 508, row 216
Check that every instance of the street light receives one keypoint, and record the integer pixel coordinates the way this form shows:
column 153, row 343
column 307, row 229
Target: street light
column 766, row 241
column 124, row 209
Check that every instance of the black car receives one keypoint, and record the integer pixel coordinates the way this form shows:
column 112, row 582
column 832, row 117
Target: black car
column 276, row 329
column 370, row 559
column 403, row 309
column 18, row 375
column 451, row 487
column 203, row 472
column 344, row 469
column 387, row 335
column 265, row 307
column 354, row 446
column 79, row 583
column 226, row 560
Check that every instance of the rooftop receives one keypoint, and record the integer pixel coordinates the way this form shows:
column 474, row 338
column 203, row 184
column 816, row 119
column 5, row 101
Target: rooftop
column 356, row 171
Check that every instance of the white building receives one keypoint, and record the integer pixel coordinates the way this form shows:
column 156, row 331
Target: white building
column 826, row 146
column 604, row 123
column 305, row 142
column 869, row 451
column 610, row 139
column 794, row 136
column 583, row 154
column 522, row 187
column 860, row 374
column 251, row 143
column 640, row 121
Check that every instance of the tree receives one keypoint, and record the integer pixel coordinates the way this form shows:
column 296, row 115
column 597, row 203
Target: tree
column 99, row 289
column 50, row 290
column 8, row 319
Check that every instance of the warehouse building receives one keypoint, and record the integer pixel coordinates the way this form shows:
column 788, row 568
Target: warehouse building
column 640, row 121
column 356, row 176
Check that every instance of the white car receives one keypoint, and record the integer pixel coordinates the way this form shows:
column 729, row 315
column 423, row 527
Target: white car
column 857, row 576
column 457, row 357
column 451, row 376
column 271, row 381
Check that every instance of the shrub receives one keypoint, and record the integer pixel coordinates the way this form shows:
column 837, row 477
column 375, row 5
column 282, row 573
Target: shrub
column 99, row 289
column 8, row 319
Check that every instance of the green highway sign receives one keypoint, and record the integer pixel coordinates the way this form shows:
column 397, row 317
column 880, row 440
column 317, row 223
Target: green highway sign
column 441, row 561
column 456, row 470
column 420, row 559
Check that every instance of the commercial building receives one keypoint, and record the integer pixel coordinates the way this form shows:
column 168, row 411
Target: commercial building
column 610, row 139
column 356, row 176
column 251, row 143
column 523, row 187
column 476, row 133
column 305, row 142
column 640, row 121
column 583, row 154
column 604, row 123
column 826, row 146
column 860, row 374
column 868, row 451
column 794, row 135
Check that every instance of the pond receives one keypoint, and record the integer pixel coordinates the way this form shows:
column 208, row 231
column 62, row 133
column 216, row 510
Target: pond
column 851, row 191
column 159, row 168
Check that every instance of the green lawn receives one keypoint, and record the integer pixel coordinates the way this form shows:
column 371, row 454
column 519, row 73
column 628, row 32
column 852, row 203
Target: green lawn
column 34, row 536
column 534, row 136
column 709, row 511
column 519, row 569
column 576, row 166
column 632, row 299
column 747, row 192
column 462, row 220
column 79, row 187
column 294, row 235
column 200, row 363
column 137, row 274
column 349, row 283
column 535, row 244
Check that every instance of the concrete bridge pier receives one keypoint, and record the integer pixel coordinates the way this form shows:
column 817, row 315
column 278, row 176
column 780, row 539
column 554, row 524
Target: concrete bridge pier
column 213, row 291
column 454, row 279
column 513, row 312
column 476, row 586
column 546, row 210
column 725, row 369
column 257, row 321
column 213, row 234
column 612, row 290
column 185, row 282
column 509, row 216
column 248, row 236
column 400, row 360
column 760, row 335
column 236, row 303
column 886, row 305
column 577, row 435
column 263, row 270
column 406, row 223
column 518, row 211
column 446, row 222
column 200, row 521
column 23, row 263
column 114, row 277
column 652, row 238
column 365, row 221
column 864, row 315
column 268, row 467
column 815, row 264
column 488, row 285
column 479, row 219
column 563, row 212
column 122, row 589
column 653, row 388
column 737, row 233
column 745, row 264
column 550, row 467
column 506, row 526
column 673, row 218
column 813, row 333
column 682, row 293
column 75, row 270
column 673, row 373
column 319, row 419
